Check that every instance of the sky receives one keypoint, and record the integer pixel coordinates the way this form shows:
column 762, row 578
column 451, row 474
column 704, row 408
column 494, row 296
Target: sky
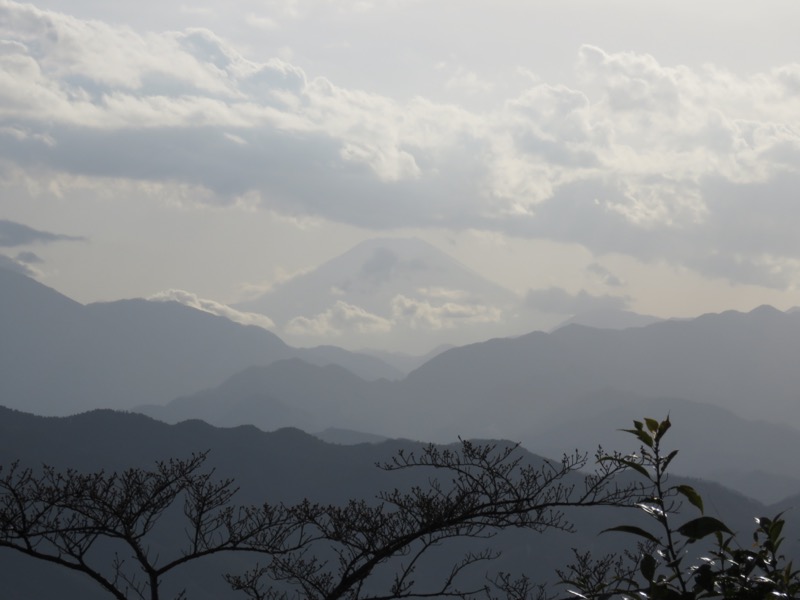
column 581, row 153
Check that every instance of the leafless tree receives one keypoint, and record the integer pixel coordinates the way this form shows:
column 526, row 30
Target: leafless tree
column 481, row 489
column 106, row 525
column 101, row 524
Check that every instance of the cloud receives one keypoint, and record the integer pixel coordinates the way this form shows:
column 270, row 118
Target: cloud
column 559, row 301
column 16, row 234
column 11, row 264
column 343, row 318
column 339, row 319
column 468, row 82
column 422, row 314
column 665, row 163
column 604, row 275
column 443, row 293
column 213, row 307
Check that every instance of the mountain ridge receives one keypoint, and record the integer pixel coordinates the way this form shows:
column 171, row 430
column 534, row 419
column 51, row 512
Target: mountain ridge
column 126, row 353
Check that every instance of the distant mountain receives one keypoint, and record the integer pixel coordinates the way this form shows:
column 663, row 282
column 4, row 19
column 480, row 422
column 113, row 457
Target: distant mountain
column 609, row 319
column 553, row 391
column 335, row 435
column 406, row 363
column 286, row 393
column 388, row 293
column 366, row 365
column 756, row 458
column 58, row 356
column 745, row 362
column 286, row 465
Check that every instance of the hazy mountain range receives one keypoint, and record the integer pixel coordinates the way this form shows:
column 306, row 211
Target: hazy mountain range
column 58, row 356
column 728, row 381
column 731, row 375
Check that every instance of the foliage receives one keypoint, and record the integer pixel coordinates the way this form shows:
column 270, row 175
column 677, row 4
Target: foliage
column 671, row 561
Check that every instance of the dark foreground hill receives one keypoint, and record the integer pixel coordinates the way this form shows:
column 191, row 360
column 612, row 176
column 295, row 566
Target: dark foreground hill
column 285, row 465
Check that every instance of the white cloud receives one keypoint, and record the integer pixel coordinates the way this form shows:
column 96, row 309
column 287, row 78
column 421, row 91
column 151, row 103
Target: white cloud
column 443, row 293
column 213, row 307
column 605, row 276
column 18, row 266
column 406, row 313
column 422, row 314
column 341, row 318
column 468, row 82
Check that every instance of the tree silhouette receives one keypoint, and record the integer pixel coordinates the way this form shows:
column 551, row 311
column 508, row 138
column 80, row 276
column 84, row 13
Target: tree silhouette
column 482, row 489
column 101, row 524
column 104, row 524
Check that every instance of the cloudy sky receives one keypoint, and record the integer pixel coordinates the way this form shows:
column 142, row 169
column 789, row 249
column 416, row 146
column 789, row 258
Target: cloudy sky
column 581, row 153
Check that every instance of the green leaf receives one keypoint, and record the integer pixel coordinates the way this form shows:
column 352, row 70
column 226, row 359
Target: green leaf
column 691, row 495
column 648, row 567
column 652, row 424
column 669, row 458
column 632, row 529
column 635, row 466
column 642, row 435
column 701, row 527
column 662, row 428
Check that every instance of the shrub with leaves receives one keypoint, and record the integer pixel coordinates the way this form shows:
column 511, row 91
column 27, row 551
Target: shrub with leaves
column 683, row 558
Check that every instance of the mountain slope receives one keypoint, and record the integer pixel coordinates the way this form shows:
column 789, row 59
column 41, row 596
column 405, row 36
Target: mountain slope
column 58, row 356
column 746, row 362
column 286, row 393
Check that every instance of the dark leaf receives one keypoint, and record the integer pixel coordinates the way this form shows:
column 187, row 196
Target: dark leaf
column 691, row 495
column 652, row 425
column 648, row 567
column 632, row 529
column 669, row 458
column 635, row 466
column 701, row 527
column 642, row 435
column 662, row 428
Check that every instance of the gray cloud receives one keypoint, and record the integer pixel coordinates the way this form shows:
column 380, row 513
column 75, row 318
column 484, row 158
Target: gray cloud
column 28, row 258
column 16, row 234
column 559, row 301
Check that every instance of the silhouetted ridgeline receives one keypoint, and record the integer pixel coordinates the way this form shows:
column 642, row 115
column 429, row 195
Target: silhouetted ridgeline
column 286, row 465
